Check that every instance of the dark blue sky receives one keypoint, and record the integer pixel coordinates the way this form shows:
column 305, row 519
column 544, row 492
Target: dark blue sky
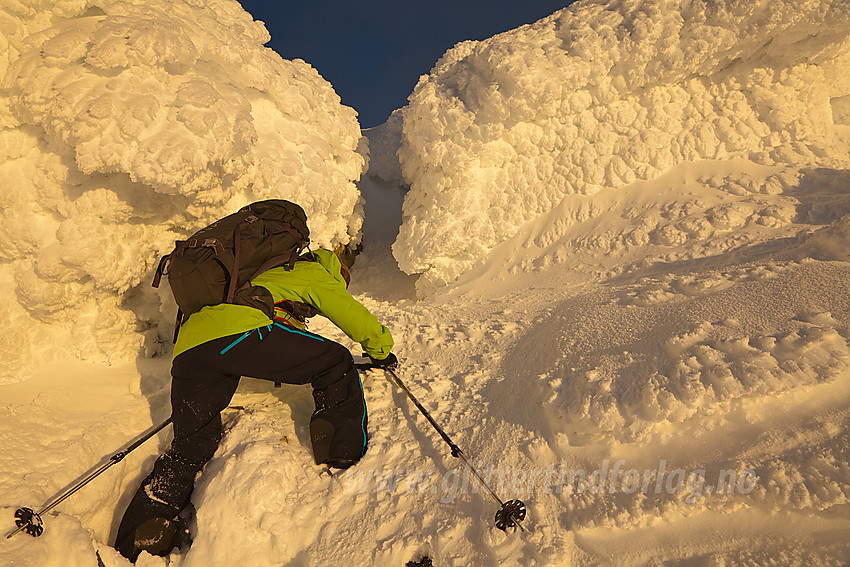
column 373, row 52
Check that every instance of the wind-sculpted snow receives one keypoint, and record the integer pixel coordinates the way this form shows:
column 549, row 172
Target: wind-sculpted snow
column 652, row 352
column 681, row 345
column 605, row 93
column 127, row 125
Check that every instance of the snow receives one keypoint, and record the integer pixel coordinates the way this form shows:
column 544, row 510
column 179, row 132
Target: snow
column 605, row 93
column 128, row 126
column 656, row 362
column 384, row 141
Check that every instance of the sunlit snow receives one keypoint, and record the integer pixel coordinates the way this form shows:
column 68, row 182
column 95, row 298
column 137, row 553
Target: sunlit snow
column 128, row 126
column 613, row 247
column 606, row 93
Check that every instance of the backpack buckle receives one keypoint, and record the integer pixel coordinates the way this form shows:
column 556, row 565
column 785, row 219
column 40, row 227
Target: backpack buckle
column 215, row 244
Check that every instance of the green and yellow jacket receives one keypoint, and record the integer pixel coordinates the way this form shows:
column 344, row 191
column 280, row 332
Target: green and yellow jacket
column 319, row 284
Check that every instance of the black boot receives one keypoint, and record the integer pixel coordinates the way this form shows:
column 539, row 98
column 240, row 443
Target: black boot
column 150, row 525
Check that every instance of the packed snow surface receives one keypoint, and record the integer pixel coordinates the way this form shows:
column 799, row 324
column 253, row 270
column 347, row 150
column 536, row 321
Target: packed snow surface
column 650, row 347
column 605, row 93
column 128, row 125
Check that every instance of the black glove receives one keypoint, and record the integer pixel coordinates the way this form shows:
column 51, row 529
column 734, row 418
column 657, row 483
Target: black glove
column 389, row 362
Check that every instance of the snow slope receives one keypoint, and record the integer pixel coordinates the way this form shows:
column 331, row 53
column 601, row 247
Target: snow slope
column 128, row 125
column 659, row 369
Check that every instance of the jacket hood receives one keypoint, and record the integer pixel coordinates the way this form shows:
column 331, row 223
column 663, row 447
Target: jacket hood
column 331, row 263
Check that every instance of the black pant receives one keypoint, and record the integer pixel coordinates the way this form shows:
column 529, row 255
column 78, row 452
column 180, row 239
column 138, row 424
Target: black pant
column 204, row 379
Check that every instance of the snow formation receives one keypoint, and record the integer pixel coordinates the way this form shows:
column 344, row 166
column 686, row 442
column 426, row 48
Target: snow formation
column 128, row 125
column 648, row 341
column 605, row 93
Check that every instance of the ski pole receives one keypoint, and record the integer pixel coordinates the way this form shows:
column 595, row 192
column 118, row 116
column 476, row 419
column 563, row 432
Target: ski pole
column 512, row 512
column 30, row 521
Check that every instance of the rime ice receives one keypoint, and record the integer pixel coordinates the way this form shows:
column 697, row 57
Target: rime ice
column 129, row 125
column 605, row 93
column 632, row 221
